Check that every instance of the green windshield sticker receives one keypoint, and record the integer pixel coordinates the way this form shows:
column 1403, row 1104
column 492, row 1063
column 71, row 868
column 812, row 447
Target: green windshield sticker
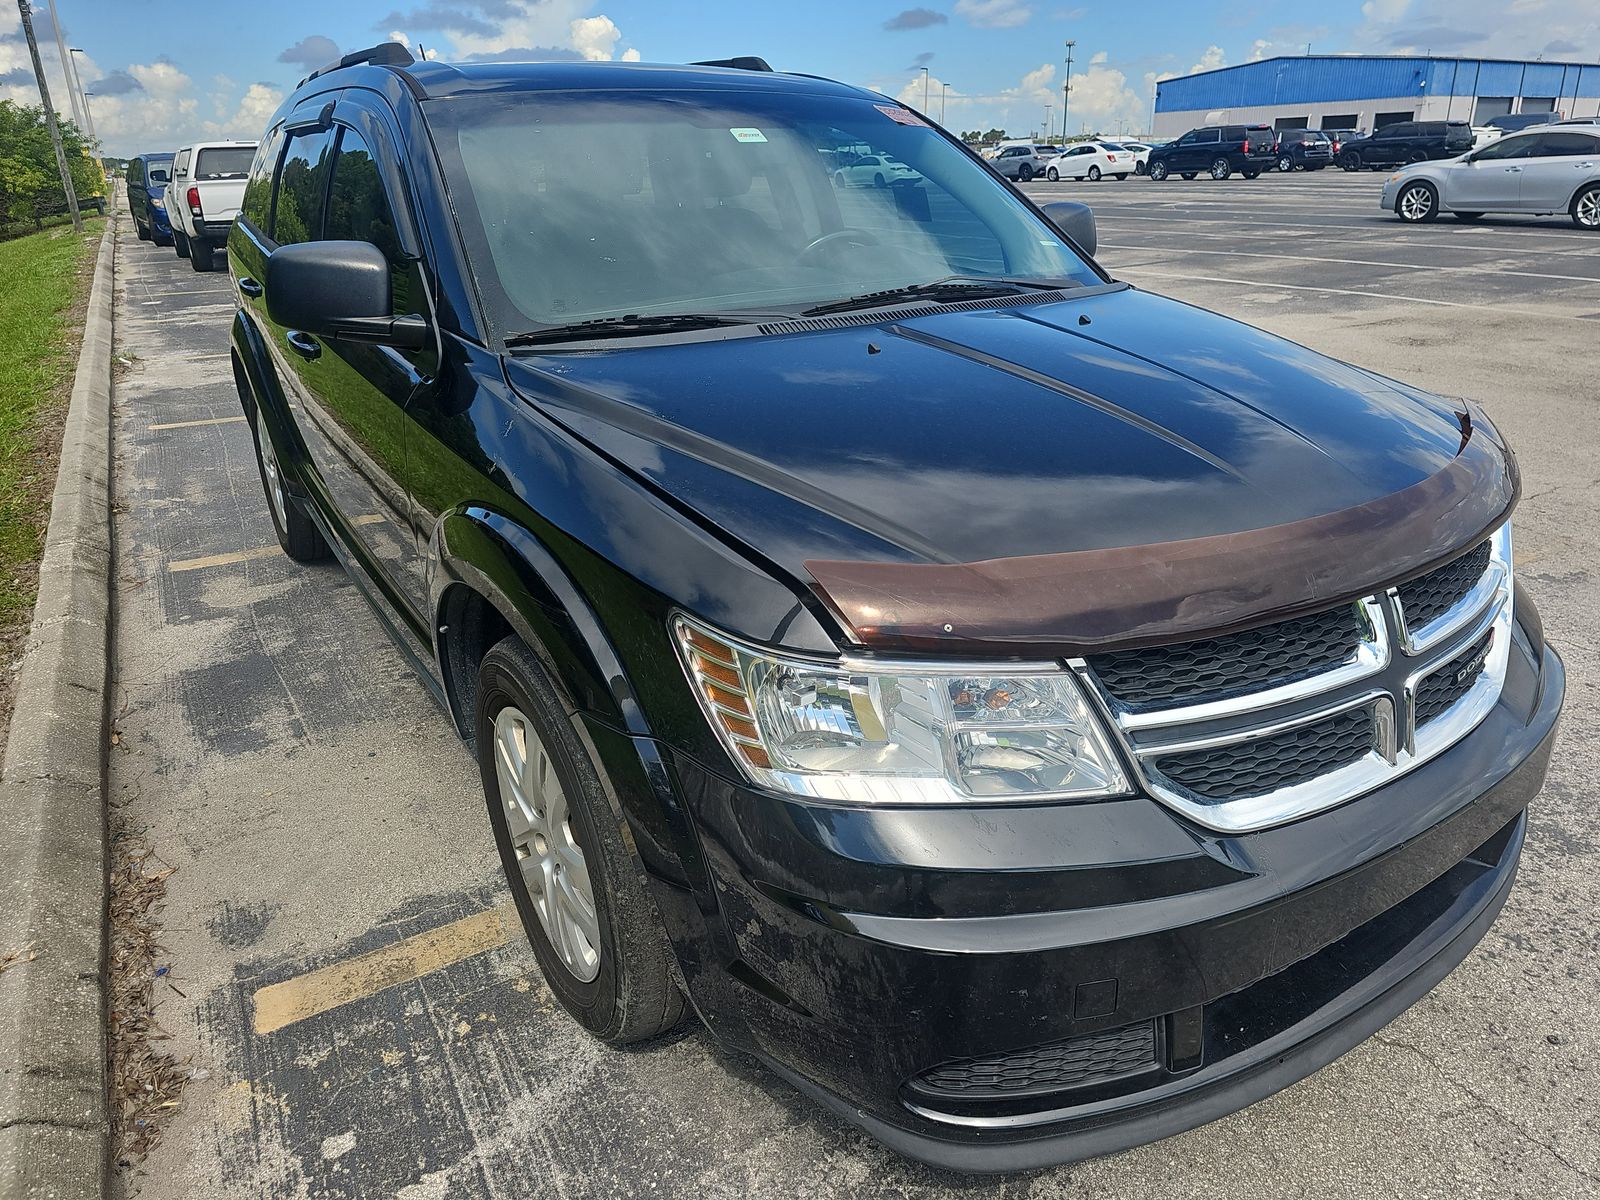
column 748, row 135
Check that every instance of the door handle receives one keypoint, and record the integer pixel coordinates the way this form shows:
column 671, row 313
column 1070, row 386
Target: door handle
column 1583, row 166
column 303, row 344
column 249, row 286
column 1513, row 168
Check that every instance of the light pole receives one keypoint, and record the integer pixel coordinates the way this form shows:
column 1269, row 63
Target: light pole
column 88, row 117
column 50, row 116
column 944, row 93
column 66, row 65
column 1066, row 91
column 924, row 89
column 1049, row 121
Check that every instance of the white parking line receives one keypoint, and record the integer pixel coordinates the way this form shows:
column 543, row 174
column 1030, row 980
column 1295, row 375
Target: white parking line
column 223, row 560
column 1360, row 262
column 1333, row 291
column 196, row 424
column 1377, row 224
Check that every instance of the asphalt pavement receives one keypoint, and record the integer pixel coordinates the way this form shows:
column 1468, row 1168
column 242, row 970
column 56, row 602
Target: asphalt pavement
column 363, row 1019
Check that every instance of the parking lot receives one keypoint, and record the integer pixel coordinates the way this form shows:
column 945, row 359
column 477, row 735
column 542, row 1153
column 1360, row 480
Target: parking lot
column 362, row 1016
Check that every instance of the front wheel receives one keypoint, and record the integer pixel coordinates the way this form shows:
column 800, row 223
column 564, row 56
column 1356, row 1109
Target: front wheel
column 142, row 230
column 1469, row 217
column 1138, row 168
column 1251, row 174
column 593, row 929
column 1586, row 208
column 1025, row 173
column 298, row 534
column 1053, row 175
column 877, row 180
column 1417, row 202
column 1286, row 164
column 1221, row 169
column 1158, row 170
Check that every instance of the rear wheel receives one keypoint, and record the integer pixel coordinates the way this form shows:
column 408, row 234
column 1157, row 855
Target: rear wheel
column 297, row 533
column 1416, row 156
column 1586, row 208
column 1094, row 174
column 1025, row 173
column 1138, row 168
column 1286, row 163
column 593, row 929
column 1221, row 168
column 877, row 179
column 1467, row 216
column 1158, row 170
column 1251, row 174
column 200, row 254
column 1417, row 202
column 1350, row 160
column 180, row 242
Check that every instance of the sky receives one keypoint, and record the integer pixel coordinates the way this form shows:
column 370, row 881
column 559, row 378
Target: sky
column 164, row 74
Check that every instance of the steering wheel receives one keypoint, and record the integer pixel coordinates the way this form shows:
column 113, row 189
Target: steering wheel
column 839, row 237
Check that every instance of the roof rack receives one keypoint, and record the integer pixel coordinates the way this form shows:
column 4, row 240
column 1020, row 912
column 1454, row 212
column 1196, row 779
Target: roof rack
column 747, row 62
column 384, row 54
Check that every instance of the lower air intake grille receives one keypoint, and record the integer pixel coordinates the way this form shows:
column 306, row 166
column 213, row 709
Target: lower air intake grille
column 1193, row 672
column 1057, row 1067
column 1269, row 763
column 1449, row 683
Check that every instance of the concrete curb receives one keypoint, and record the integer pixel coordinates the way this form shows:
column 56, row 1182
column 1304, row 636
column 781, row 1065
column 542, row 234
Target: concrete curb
column 54, row 1125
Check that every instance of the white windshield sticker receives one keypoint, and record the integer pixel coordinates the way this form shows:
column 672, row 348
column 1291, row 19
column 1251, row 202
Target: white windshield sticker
column 748, row 135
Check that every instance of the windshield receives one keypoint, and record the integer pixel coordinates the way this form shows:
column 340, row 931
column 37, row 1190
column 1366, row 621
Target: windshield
column 581, row 206
column 224, row 162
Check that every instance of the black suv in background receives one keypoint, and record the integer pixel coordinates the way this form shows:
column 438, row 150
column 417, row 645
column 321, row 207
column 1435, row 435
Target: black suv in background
column 1304, row 150
column 1218, row 150
column 1021, row 781
column 1406, row 142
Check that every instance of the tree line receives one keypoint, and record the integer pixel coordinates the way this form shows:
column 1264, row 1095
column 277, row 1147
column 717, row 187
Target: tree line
column 30, row 186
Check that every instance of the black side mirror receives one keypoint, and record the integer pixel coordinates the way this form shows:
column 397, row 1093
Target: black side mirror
column 339, row 290
column 1076, row 221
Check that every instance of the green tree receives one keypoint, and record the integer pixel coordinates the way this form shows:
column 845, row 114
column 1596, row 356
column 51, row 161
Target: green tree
column 30, row 187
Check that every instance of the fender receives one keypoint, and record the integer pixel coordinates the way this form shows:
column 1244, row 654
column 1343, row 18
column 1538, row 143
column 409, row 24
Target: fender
column 260, row 393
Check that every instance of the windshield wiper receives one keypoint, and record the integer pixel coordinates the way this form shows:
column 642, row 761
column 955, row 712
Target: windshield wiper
column 638, row 325
column 952, row 287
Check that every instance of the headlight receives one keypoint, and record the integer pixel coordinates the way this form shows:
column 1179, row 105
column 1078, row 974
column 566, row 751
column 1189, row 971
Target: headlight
column 918, row 734
column 1394, row 177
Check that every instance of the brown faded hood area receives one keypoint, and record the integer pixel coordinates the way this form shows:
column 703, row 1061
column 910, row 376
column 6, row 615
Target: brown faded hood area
column 1090, row 601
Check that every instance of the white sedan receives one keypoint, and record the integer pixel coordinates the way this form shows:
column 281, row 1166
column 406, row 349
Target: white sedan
column 1091, row 160
column 874, row 170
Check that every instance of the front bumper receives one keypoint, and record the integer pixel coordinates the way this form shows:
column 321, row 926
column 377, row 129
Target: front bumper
column 861, row 950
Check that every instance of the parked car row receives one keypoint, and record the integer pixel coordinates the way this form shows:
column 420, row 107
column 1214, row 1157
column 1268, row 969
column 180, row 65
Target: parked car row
column 188, row 199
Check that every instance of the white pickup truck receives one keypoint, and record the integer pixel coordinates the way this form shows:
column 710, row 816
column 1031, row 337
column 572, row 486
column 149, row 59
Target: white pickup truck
column 203, row 197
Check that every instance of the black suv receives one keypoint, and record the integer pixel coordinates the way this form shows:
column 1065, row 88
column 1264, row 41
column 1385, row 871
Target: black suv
column 1218, row 150
column 1304, row 150
column 1031, row 715
column 1406, row 142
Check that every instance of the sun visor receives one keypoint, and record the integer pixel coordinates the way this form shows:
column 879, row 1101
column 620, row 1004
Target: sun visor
column 1089, row 601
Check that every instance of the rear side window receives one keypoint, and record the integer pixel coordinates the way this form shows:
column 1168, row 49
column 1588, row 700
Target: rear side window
column 222, row 162
column 257, row 205
column 302, row 183
column 1556, row 145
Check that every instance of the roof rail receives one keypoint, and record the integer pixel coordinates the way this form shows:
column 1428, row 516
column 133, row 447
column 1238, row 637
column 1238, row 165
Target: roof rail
column 384, row 54
column 747, row 62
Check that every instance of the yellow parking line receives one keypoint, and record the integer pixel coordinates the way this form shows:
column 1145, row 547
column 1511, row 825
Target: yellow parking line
column 222, row 560
column 369, row 519
column 195, row 424
column 280, row 1004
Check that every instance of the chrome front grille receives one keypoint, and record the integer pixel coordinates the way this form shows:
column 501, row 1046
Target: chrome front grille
column 1233, row 733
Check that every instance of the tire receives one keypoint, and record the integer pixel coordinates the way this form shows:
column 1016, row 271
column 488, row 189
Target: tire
column 1158, row 171
column 1094, row 174
column 1053, row 175
column 1190, row 174
column 200, row 255
column 1469, row 217
column 1121, row 175
column 1251, row 174
column 1416, row 156
column 1417, row 203
column 1286, row 164
column 630, row 996
column 1139, row 168
column 1350, row 161
column 142, row 230
column 180, row 243
column 1025, row 173
column 298, row 534
column 1585, row 209
column 1220, row 169
column 877, row 179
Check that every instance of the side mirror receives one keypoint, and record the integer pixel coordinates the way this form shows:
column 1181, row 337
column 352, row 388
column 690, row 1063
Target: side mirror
column 1076, row 221
column 339, row 290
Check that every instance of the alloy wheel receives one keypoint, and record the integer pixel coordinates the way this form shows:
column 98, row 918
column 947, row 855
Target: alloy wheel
column 1586, row 211
column 1094, row 174
column 1221, row 169
column 1416, row 202
column 1158, row 171
column 1285, row 164
column 270, row 472
column 539, row 824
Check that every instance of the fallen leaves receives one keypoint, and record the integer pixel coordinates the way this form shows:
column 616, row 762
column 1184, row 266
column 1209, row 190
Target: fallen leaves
column 14, row 958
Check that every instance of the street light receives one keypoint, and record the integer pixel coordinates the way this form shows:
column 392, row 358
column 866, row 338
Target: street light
column 87, row 115
column 944, row 91
column 924, row 89
column 1049, row 121
column 1066, row 91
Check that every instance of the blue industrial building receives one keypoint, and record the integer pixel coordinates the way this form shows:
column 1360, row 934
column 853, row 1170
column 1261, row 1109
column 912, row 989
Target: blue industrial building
column 1349, row 91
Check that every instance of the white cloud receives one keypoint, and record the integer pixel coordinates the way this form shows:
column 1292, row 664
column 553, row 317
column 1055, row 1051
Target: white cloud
column 1099, row 57
column 1213, row 58
column 631, row 55
column 1101, row 101
column 595, row 37
column 1567, row 30
column 994, row 14
column 558, row 24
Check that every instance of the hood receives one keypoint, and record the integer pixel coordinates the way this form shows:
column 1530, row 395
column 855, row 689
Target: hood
column 1115, row 421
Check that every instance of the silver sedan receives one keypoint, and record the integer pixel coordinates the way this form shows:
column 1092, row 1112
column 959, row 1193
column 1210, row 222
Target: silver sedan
column 1541, row 172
